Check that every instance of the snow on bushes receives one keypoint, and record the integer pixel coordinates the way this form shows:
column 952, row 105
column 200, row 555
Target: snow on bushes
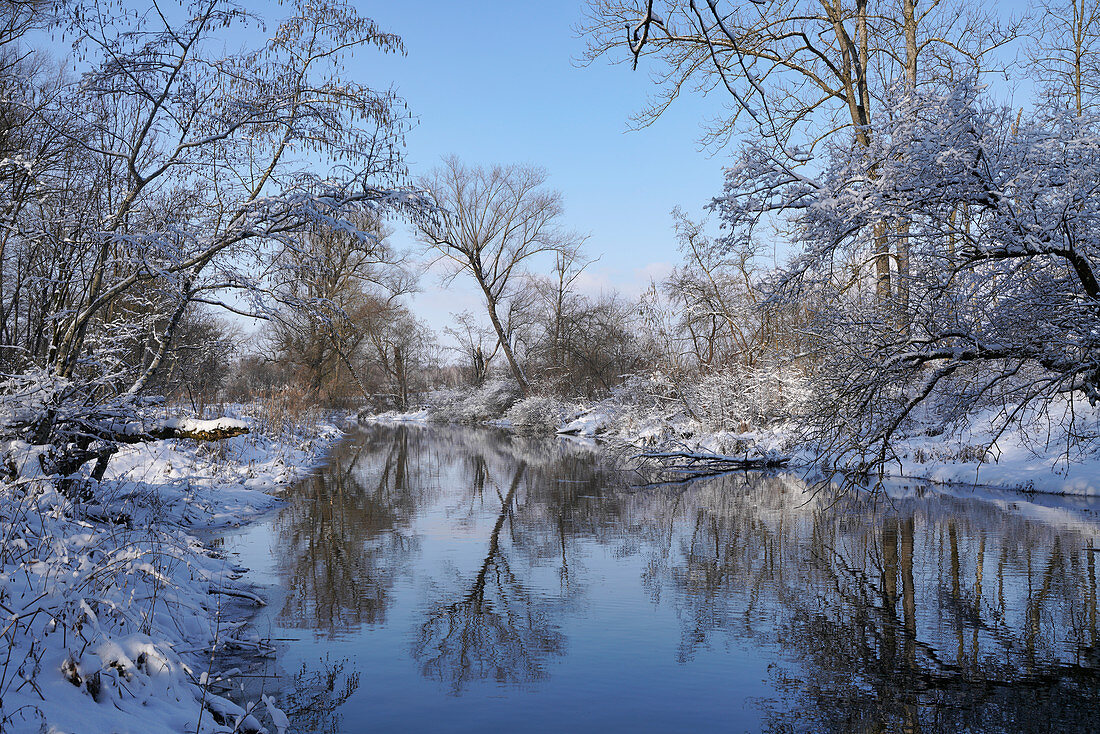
column 743, row 397
column 721, row 408
column 722, row 411
column 474, row 405
column 541, row 412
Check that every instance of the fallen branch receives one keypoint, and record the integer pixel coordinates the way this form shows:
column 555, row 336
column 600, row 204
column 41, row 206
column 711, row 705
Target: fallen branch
column 691, row 465
column 686, row 460
column 238, row 593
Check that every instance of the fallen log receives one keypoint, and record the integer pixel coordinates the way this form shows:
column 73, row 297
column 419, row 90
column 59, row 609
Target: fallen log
column 689, row 466
column 238, row 593
column 706, row 461
column 198, row 430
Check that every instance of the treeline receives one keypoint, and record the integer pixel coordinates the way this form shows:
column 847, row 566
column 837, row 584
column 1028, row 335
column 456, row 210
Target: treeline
column 943, row 246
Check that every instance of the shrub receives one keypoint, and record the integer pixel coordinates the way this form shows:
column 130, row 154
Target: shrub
column 476, row 405
column 743, row 397
column 541, row 412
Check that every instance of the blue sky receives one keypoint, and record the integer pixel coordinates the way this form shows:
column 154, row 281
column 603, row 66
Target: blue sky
column 496, row 82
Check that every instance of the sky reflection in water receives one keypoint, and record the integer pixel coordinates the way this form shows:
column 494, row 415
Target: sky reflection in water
column 466, row 579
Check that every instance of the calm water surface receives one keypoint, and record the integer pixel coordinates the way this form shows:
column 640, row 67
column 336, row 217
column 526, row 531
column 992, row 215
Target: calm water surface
column 459, row 580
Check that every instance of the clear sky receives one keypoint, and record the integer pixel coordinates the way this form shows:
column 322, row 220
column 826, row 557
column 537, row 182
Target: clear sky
column 496, row 82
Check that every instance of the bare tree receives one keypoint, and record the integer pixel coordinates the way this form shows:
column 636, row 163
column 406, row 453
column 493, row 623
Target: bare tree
column 471, row 335
column 1065, row 53
column 201, row 361
column 338, row 296
column 489, row 223
column 558, row 296
column 403, row 350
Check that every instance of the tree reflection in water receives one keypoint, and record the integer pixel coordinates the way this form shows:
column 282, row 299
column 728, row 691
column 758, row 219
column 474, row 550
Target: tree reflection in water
column 496, row 630
column 498, row 627
column 924, row 613
column 344, row 536
column 931, row 615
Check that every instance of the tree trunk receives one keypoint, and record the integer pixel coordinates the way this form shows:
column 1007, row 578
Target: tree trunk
column 402, row 378
column 480, row 368
column 503, row 341
column 902, row 301
column 882, row 264
column 909, row 21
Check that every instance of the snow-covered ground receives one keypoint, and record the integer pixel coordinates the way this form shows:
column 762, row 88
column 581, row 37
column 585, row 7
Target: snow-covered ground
column 1032, row 455
column 111, row 609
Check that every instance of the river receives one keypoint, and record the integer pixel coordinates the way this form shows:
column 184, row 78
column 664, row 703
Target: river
column 451, row 579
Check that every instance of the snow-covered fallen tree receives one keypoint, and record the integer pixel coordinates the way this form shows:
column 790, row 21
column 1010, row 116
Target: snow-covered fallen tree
column 192, row 428
column 69, row 435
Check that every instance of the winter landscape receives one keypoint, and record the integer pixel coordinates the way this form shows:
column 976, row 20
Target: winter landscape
column 620, row 365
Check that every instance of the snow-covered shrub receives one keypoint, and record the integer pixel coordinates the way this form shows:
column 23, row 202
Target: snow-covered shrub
column 744, row 397
column 647, row 393
column 103, row 607
column 474, row 405
column 714, row 412
column 644, row 408
column 542, row 412
column 719, row 400
column 25, row 398
column 444, row 405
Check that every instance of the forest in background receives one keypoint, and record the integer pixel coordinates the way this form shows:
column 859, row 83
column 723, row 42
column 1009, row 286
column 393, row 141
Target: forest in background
column 158, row 189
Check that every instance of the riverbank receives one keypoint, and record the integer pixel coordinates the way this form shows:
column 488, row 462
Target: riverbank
column 114, row 607
column 1026, row 457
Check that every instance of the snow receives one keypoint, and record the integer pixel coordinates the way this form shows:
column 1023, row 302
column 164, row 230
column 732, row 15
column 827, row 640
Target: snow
column 1022, row 457
column 587, row 425
column 110, row 624
column 393, row 416
column 205, row 426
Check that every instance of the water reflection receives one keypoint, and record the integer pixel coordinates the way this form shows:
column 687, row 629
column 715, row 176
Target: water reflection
column 497, row 628
column 924, row 613
column 932, row 614
column 344, row 540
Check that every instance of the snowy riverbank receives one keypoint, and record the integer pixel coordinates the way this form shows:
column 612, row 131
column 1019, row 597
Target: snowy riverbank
column 1025, row 457
column 112, row 608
